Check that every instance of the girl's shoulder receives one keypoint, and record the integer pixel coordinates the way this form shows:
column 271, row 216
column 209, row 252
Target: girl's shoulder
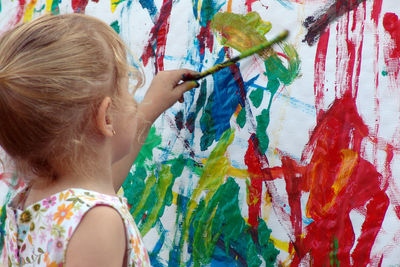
column 41, row 231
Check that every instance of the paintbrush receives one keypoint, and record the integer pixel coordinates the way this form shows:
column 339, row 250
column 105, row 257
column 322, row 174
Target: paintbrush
column 256, row 49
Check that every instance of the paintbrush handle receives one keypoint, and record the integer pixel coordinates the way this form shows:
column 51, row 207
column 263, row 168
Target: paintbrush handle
column 247, row 53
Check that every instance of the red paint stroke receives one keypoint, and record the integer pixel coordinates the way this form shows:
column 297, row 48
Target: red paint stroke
column 257, row 166
column 359, row 13
column 376, row 11
column 336, row 169
column 391, row 24
column 158, row 37
column 319, row 71
column 334, row 142
column 206, row 39
column 79, row 6
column 375, row 15
column 391, row 50
column 376, row 210
column 249, row 3
column 20, row 13
column 349, row 52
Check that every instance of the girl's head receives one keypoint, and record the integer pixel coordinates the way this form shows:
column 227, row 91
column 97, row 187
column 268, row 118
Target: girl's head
column 54, row 73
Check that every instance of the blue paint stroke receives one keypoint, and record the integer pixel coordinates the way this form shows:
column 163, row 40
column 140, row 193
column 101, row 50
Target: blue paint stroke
column 286, row 4
column 150, row 6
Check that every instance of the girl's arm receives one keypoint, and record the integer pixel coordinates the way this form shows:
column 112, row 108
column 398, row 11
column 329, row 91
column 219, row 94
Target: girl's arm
column 163, row 92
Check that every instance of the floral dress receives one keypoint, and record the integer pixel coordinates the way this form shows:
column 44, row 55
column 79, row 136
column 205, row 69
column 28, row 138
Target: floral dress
column 39, row 234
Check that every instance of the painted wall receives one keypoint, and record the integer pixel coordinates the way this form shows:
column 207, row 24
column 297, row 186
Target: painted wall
column 288, row 157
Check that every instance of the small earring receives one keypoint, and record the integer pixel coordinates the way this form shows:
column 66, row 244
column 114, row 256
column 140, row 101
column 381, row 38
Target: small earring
column 113, row 132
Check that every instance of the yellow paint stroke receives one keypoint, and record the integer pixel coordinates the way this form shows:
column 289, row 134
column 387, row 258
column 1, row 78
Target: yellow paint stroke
column 282, row 245
column 232, row 171
column 29, row 11
column 198, row 8
column 241, row 32
column 349, row 161
column 237, row 173
column 48, row 5
column 174, row 198
column 212, row 178
column 267, row 207
column 114, row 4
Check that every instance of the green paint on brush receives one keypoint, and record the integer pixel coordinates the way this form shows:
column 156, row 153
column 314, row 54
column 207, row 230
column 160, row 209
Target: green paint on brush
column 212, row 178
column 384, row 73
column 115, row 26
column 221, row 219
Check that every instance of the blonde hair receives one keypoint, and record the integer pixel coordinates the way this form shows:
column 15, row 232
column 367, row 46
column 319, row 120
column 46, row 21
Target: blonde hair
column 54, row 73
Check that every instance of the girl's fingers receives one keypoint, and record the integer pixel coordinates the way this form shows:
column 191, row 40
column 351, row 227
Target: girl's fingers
column 186, row 86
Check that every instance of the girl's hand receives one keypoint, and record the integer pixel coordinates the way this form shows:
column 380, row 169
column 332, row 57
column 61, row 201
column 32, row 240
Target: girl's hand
column 165, row 89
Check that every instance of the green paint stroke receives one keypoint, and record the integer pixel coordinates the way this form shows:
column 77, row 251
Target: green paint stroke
column 261, row 130
column 40, row 9
column 161, row 189
column 212, row 178
column 241, row 118
column 157, row 194
column 221, row 218
column 256, row 97
column 333, row 253
column 208, row 10
column 207, row 125
column 55, row 9
column 134, row 185
column 115, row 26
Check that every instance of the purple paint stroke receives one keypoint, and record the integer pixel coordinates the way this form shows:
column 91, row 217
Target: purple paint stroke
column 317, row 24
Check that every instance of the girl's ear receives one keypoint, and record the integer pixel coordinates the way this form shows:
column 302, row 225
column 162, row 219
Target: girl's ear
column 103, row 118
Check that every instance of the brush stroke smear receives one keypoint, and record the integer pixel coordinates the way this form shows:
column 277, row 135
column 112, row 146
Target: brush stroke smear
column 318, row 23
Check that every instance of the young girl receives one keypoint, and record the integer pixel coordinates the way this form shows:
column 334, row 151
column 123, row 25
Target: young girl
column 73, row 130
